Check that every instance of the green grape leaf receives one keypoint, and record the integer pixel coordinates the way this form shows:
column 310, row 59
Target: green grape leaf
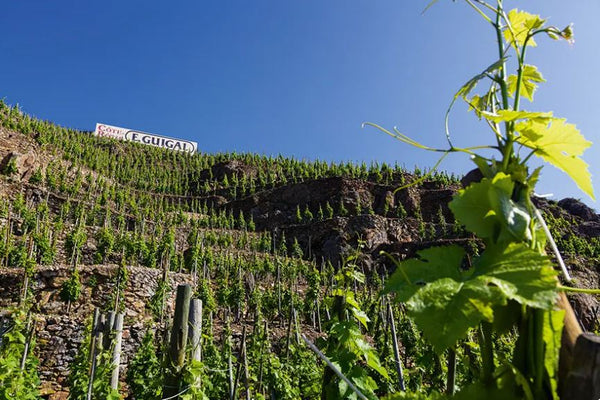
column 560, row 144
column 530, row 76
column 521, row 24
column 433, row 263
column 487, row 209
column 472, row 208
column 522, row 274
column 361, row 316
column 468, row 303
column 514, row 216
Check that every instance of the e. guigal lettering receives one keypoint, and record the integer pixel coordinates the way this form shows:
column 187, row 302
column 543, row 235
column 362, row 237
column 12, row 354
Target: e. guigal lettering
column 159, row 141
column 116, row 132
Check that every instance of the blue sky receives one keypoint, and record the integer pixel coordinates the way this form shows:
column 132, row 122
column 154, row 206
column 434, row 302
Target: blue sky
column 296, row 78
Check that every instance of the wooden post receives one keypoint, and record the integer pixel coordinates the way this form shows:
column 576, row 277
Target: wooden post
column 240, row 364
column 289, row 332
column 570, row 333
column 100, row 334
column 278, row 287
column 259, row 387
column 178, row 341
column 451, row 379
column 229, row 362
column 195, row 333
column 396, row 348
column 116, row 354
column 246, row 375
column 30, row 331
column 107, row 330
column 92, row 352
column 319, row 328
column 583, row 379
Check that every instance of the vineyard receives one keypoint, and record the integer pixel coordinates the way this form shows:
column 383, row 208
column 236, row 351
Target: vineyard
column 267, row 245
column 129, row 271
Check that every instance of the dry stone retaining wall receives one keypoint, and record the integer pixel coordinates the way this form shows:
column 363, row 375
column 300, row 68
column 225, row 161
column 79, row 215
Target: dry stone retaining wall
column 59, row 333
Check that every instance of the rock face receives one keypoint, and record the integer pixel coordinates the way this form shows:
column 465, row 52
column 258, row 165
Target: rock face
column 579, row 209
column 23, row 153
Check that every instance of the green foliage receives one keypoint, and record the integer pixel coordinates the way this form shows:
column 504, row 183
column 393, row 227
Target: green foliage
column 329, row 210
column 45, row 250
column 308, row 215
column 79, row 378
column 157, row 300
column 296, row 249
column 346, row 346
column 71, row 288
column 144, row 375
column 14, row 382
column 11, row 167
column 512, row 280
column 36, row 178
column 105, row 242
column 74, row 241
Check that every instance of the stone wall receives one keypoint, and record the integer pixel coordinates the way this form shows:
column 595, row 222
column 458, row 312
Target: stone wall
column 60, row 327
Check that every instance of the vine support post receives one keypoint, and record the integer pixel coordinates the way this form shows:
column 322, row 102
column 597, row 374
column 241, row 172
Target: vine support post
column 30, row 330
column 487, row 351
column 195, row 333
column 178, row 340
column 116, row 354
column 94, row 338
column 240, row 364
column 396, row 348
column 583, row 380
column 451, row 379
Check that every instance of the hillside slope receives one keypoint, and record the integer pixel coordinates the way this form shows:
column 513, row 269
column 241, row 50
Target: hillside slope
column 249, row 232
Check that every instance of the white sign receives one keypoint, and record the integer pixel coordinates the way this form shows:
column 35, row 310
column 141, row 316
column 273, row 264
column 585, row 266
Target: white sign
column 115, row 132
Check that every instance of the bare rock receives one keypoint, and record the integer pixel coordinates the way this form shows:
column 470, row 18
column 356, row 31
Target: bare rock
column 579, row 209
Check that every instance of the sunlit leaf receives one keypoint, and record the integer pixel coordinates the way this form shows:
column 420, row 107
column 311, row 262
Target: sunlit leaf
column 486, row 207
column 521, row 24
column 560, row 144
column 530, row 77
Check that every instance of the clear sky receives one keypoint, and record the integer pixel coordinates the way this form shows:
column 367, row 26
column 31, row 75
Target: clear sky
column 288, row 77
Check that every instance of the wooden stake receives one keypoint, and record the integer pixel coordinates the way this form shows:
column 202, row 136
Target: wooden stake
column 195, row 333
column 92, row 351
column 583, row 380
column 116, row 354
column 240, row 364
column 396, row 348
column 178, row 341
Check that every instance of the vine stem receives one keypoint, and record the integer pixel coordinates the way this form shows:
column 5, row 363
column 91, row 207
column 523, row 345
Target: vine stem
column 578, row 290
column 507, row 149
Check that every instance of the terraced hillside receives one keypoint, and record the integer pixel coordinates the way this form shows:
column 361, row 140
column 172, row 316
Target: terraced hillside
column 89, row 223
